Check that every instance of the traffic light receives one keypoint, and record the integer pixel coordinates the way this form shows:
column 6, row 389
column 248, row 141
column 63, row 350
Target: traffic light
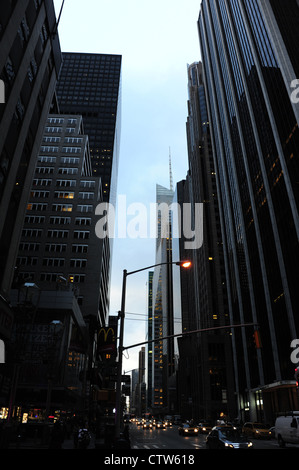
column 257, row 339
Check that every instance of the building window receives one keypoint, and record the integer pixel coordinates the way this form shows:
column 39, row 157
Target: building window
column 80, row 278
column 32, row 233
column 84, row 208
column 82, row 221
column 79, row 248
column 64, row 195
column 37, row 207
column 78, row 263
column 66, row 183
column 60, row 220
column 58, row 233
column 50, row 277
column 55, row 248
column 54, row 262
column 62, row 207
column 81, row 234
column 83, row 195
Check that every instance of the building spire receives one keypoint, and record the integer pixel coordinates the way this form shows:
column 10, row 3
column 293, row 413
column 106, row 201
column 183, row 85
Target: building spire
column 170, row 171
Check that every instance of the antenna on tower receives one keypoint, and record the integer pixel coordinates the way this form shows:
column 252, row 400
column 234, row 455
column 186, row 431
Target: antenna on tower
column 170, row 171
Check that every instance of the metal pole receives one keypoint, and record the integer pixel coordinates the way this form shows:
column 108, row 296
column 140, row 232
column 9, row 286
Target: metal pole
column 120, row 354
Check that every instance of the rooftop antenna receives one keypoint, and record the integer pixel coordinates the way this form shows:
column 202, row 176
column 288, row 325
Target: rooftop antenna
column 170, row 171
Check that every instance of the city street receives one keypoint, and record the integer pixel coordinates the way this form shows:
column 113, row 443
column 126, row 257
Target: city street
column 169, row 438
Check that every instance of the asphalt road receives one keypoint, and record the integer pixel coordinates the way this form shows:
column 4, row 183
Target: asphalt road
column 169, row 438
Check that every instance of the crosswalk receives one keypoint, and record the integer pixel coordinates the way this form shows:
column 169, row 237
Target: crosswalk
column 155, row 446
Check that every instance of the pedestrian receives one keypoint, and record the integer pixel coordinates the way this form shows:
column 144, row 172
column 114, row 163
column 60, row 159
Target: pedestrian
column 57, row 436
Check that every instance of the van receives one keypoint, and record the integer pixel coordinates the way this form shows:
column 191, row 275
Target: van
column 287, row 429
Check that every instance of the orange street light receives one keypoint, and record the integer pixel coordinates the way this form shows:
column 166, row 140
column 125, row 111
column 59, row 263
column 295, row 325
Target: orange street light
column 185, row 264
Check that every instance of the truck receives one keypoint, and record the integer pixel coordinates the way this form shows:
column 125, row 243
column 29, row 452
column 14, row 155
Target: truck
column 287, row 428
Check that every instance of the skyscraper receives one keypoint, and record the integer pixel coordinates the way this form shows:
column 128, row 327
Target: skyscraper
column 30, row 60
column 90, row 85
column 205, row 372
column 162, row 313
column 59, row 246
column 248, row 60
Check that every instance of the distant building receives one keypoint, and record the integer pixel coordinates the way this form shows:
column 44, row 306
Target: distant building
column 162, row 356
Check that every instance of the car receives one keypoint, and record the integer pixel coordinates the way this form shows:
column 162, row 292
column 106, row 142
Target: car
column 186, row 429
column 167, row 423
column 138, row 422
column 257, row 430
column 204, row 428
column 227, row 437
column 160, row 425
column 147, row 425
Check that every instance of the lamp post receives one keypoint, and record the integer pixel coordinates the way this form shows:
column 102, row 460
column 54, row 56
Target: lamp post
column 121, row 316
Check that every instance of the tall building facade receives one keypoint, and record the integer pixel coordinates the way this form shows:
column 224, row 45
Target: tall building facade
column 205, row 373
column 248, row 61
column 30, row 60
column 90, row 85
column 59, row 248
column 162, row 356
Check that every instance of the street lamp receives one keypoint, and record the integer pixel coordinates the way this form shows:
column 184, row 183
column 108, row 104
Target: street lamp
column 184, row 264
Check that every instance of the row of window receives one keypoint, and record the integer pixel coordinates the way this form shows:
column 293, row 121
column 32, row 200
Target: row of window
column 51, row 262
column 53, row 247
column 40, row 219
column 63, row 183
column 62, row 195
column 55, row 149
column 58, row 130
column 37, row 233
column 68, row 140
column 59, row 207
column 60, row 120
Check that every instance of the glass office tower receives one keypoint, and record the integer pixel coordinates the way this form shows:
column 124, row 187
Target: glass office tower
column 89, row 84
column 255, row 140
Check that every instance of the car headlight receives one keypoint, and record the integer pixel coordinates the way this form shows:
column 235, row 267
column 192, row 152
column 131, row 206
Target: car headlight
column 250, row 444
column 195, row 430
column 228, row 445
column 204, row 429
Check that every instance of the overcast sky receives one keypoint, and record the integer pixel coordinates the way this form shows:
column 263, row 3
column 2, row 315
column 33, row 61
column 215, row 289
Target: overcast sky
column 157, row 39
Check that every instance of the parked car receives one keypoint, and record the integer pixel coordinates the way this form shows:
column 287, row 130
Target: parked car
column 227, row 437
column 186, row 429
column 287, row 429
column 257, row 430
column 204, row 428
